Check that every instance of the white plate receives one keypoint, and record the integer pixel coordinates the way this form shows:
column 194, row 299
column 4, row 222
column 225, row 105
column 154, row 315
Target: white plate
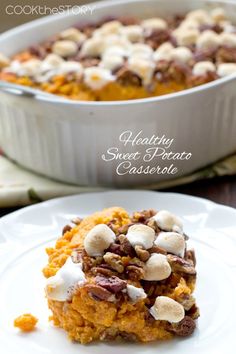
column 25, row 234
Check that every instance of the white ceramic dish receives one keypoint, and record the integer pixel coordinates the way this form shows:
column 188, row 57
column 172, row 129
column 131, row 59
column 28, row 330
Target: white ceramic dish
column 25, row 234
column 65, row 140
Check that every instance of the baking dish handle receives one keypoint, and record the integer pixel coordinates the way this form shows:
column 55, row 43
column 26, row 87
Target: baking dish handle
column 20, row 90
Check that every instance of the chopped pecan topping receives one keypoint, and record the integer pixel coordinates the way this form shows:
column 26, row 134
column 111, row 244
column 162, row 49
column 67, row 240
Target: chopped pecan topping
column 193, row 312
column 156, row 249
column 89, row 262
column 185, row 327
column 179, row 72
column 126, row 77
column 114, row 261
column 66, row 228
column 134, row 272
column 180, row 265
column 88, row 62
column 226, row 55
column 187, row 301
column 126, row 246
column 77, row 221
column 142, row 254
column 124, row 229
column 103, row 271
column 98, row 292
column 143, row 216
column 212, row 27
column 112, row 284
column 157, row 37
column 190, row 257
column 201, row 79
column 116, row 248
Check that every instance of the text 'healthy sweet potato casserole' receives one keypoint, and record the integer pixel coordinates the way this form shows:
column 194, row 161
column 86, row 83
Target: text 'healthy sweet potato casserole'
column 128, row 58
column 114, row 276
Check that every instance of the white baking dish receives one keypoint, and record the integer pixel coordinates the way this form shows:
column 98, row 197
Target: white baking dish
column 65, row 140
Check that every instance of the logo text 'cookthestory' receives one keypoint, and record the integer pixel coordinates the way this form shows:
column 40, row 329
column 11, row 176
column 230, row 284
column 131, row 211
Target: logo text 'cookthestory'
column 137, row 154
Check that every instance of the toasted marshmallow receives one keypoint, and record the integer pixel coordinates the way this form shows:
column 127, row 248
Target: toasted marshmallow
column 72, row 34
column 143, row 68
column 93, row 47
column 70, row 67
column 182, row 54
column 200, row 16
column 218, row 14
column 172, row 242
column 186, row 36
column 140, row 50
column 164, row 52
column 154, row 24
column 167, row 309
column 208, row 40
column 203, row 67
column 111, row 62
column 98, row 240
column 228, row 39
column 61, row 286
column 141, row 235
column 157, row 268
column 133, row 33
column 111, row 27
column 135, row 293
column 4, row 61
column 168, row 222
column 64, row 48
column 226, row 69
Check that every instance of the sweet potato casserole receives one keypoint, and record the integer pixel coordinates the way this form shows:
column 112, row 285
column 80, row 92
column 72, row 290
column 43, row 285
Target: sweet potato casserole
column 113, row 276
column 128, row 58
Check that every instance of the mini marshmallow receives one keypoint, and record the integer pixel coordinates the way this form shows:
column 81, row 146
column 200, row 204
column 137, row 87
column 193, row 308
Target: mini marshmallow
column 72, row 34
column 188, row 24
column 69, row 276
column 111, row 27
column 143, row 68
column 226, row 69
column 168, row 222
column 116, row 40
column 157, row 268
column 141, row 235
column 218, row 14
column 133, row 33
column 69, row 67
column 182, row 54
column 52, row 61
column 172, row 242
column 167, row 309
column 93, row 47
column 200, row 16
column 115, row 50
column 140, row 50
column 98, row 240
column 111, row 62
column 154, row 24
column 228, row 39
column 203, row 67
column 4, row 61
column 135, row 293
column 208, row 40
column 64, row 48
column 186, row 37
column 30, row 67
column 164, row 52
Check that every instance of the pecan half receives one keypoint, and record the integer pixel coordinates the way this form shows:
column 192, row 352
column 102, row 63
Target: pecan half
column 157, row 37
column 134, row 272
column 156, row 249
column 142, row 254
column 126, row 246
column 116, row 248
column 97, row 292
column 112, row 284
column 184, row 328
column 180, row 265
column 114, row 261
column 103, row 271
column 126, row 77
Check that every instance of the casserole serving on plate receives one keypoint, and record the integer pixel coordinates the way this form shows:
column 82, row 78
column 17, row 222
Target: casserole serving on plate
column 71, row 140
